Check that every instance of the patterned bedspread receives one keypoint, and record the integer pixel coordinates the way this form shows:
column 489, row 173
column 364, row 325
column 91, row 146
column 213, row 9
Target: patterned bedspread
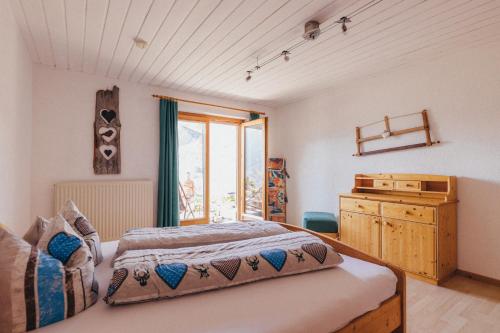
column 143, row 275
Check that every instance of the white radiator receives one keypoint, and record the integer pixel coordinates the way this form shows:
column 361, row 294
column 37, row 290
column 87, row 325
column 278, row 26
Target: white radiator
column 111, row 206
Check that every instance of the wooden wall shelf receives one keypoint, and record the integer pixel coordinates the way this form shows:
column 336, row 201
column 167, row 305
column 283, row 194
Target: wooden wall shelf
column 388, row 133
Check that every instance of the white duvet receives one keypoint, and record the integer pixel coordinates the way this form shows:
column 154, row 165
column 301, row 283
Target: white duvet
column 321, row 301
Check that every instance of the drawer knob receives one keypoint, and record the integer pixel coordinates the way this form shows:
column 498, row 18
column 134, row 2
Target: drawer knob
column 359, row 206
column 409, row 185
column 407, row 212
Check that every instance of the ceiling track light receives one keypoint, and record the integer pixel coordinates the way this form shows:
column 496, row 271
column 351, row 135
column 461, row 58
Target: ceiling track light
column 286, row 55
column 311, row 33
column 343, row 20
column 249, row 76
column 311, row 30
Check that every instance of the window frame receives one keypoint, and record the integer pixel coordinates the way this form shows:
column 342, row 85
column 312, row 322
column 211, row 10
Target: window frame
column 207, row 119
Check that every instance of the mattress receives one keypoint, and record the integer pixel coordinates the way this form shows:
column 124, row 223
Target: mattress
column 321, row 301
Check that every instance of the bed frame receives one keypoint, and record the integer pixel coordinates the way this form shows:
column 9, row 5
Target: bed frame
column 391, row 315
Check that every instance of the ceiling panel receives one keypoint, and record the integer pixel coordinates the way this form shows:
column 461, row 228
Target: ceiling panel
column 75, row 30
column 54, row 11
column 213, row 43
column 95, row 18
column 138, row 13
column 206, row 46
column 185, row 32
column 116, row 18
column 34, row 12
column 154, row 21
column 176, row 16
column 213, row 21
column 20, row 16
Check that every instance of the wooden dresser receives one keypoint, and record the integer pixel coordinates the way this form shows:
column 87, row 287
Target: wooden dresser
column 409, row 220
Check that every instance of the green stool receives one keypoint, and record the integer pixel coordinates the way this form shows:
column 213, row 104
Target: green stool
column 322, row 222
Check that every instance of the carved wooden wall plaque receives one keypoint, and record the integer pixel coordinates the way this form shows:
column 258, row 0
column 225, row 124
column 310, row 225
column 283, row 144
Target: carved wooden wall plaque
column 107, row 126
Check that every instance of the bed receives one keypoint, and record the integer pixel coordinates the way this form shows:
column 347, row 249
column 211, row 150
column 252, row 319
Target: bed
column 362, row 294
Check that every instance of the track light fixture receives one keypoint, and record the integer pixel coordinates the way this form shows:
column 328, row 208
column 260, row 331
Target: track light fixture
column 286, row 55
column 312, row 31
column 343, row 20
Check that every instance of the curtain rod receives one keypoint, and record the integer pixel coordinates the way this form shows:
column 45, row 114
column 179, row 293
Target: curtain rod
column 206, row 104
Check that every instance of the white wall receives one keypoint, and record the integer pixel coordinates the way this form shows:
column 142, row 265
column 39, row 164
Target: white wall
column 63, row 117
column 15, row 124
column 462, row 94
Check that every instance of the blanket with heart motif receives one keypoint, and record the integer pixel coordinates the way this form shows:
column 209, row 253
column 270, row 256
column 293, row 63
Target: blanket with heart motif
column 143, row 275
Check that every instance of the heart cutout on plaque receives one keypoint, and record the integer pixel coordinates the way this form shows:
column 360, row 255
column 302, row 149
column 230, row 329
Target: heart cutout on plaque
column 107, row 151
column 107, row 115
column 107, row 133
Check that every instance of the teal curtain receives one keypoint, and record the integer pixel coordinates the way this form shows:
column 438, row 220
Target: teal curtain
column 168, row 192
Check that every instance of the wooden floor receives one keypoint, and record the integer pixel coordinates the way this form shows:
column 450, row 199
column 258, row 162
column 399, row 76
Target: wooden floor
column 460, row 305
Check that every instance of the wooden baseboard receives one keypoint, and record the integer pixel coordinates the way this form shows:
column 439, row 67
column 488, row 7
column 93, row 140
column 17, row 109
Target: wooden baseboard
column 478, row 277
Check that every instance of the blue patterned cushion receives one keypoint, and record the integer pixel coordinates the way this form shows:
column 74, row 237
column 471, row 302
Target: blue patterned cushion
column 37, row 289
column 62, row 246
column 61, row 242
column 82, row 226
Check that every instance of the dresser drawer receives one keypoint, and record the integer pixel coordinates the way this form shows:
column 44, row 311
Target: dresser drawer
column 409, row 212
column 383, row 184
column 360, row 206
column 407, row 185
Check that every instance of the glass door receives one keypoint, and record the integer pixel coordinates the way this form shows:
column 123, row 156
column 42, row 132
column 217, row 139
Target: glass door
column 222, row 169
column 223, row 172
column 192, row 138
column 253, row 183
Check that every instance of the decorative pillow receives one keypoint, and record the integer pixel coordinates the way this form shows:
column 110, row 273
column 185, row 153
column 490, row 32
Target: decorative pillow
column 36, row 289
column 143, row 275
column 84, row 228
column 36, row 230
column 62, row 243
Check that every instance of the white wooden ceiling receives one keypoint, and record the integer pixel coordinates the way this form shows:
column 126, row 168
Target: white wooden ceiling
column 206, row 46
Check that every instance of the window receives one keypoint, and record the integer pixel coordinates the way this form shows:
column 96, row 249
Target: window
column 219, row 179
column 223, row 172
column 192, row 164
